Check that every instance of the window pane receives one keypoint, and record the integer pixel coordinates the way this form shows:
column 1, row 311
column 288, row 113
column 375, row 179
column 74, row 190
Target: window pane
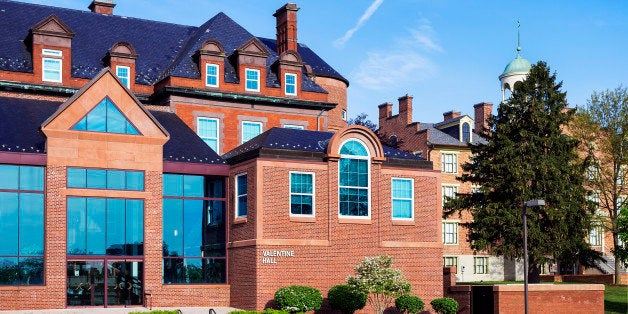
column 135, row 180
column 193, row 186
column 31, row 224
column 353, row 202
column 402, row 209
column 31, row 271
column 173, row 227
column 115, row 226
column 216, row 187
column 9, row 175
column 8, row 271
column 241, row 184
column 174, row 271
column 76, row 225
column 250, row 130
column 96, row 179
column 77, row 177
column 353, row 148
column 242, row 206
column 8, row 222
column 31, row 178
column 96, row 226
column 96, row 119
column 173, row 185
column 115, row 179
column 134, row 227
column 193, row 227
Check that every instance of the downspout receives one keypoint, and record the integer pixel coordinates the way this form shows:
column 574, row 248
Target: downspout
column 430, row 148
column 318, row 120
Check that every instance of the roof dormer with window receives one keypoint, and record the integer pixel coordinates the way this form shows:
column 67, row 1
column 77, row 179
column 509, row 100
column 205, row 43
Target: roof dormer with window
column 457, row 126
column 251, row 64
column 121, row 59
column 211, row 63
column 51, row 41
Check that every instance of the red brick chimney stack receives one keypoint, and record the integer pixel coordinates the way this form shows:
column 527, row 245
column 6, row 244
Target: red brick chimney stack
column 385, row 111
column 405, row 109
column 102, row 6
column 482, row 113
column 451, row 115
column 286, row 27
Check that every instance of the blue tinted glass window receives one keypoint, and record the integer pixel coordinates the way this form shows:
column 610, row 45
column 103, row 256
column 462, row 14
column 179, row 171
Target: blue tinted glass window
column 96, row 178
column 31, row 224
column 116, row 179
column 301, row 193
column 31, row 178
column 250, row 130
column 241, row 194
column 466, row 132
column 208, row 132
column 123, row 74
column 353, row 176
column 193, row 227
column 291, row 84
column 9, row 175
column 252, row 80
column 173, row 227
column 9, row 271
column 77, row 177
column 105, row 179
column 193, row 186
column 135, row 180
column 173, row 184
column 9, row 223
column 353, row 148
column 402, row 198
column 211, row 71
column 115, row 226
column 96, row 226
column 31, row 270
column 77, row 224
column 106, row 117
column 134, row 227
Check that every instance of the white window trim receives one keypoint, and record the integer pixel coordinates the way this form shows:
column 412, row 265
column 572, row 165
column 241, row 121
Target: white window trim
column 470, row 123
column 286, row 84
column 198, row 124
column 128, row 78
column 246, row 80
column 485, row 267
column 457, row 223
column 457, row 186
column 43, row 70
column 237, row 196
column 294, row 126
column 344, row 115
column 442, row 156
column 207, row 66
column 368, row 188
column 411, row 199
column 313, row 194
column 453, row 258
column 261, row 129
column 52, row 52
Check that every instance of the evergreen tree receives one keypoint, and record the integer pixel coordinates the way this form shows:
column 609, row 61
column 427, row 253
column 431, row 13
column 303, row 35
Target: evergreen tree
column 527, row 156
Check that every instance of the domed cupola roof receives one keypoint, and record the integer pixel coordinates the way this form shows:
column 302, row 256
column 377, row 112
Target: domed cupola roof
column 518, row 65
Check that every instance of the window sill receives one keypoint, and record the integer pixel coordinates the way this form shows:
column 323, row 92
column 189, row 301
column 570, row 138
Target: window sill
column 451, row 244
column 302, row 219
column 396, row 222
column 357, row 221
column 240, row 220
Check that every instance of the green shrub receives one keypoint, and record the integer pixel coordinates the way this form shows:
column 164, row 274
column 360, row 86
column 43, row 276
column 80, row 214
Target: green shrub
column 298, row 299
column 445, row 305
column 273, row 311
column 346, row 299
column 243, row 312
column 409, row 304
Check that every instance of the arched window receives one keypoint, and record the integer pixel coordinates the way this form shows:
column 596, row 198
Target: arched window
column 354, row 180
column 466, row 132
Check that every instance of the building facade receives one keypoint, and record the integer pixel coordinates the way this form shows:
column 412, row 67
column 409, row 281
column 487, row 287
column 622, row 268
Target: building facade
column 147, row 163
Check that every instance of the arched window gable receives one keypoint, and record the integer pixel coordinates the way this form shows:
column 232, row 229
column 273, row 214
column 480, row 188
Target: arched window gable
column 354, row 180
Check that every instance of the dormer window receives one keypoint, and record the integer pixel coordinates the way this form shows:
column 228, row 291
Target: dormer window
column 51, row 65
column 211, row 75
column 466, row 132
column 124, row 74
column 252, row 80
column 291, row 84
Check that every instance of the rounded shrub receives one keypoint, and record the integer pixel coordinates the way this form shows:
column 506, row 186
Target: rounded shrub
column 445, row 305
column 346, row 299
column 409, row 304
column 298, row 299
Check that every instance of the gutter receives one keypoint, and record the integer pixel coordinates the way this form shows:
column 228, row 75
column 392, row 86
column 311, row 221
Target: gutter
column 51, row 90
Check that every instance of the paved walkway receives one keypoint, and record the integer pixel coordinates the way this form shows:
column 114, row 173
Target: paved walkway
column 184, row 310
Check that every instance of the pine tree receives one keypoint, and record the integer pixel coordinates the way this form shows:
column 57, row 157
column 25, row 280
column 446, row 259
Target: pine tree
column 528, row 156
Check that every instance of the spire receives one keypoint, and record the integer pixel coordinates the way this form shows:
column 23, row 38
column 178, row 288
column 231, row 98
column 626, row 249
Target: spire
column 518, row 37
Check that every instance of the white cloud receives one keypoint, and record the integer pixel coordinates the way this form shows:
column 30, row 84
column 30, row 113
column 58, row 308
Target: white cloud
column 405, row 63
column 365, row 17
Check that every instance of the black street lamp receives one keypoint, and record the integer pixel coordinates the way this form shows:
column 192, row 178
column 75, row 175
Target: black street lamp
column 531, row 203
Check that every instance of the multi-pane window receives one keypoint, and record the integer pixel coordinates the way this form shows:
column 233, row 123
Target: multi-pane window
column 293, row 126
column 208, row 132
column 106, row 117
column 124, row 74
column 466, row 132
column 211, row 75
column 241, row 192
column 194, row 237
column 105, row 179
column 595, row 236
column 449, row 163
column 402, row 198
column 450, row 232
column 449, row 191
column 252, row 80
column 301, row 193
column 291, row 84
column 250, row 130
column 344, row 115
column 21, row 225
column 450, row 261
column 51, row 65
column 105, row 226
column 354, row 180
column 593, row 171
column 480, row 265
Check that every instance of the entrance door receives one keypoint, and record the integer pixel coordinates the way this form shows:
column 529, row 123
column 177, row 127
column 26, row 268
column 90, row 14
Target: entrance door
column 124, row 282
column 89, row 283
column 86, row 283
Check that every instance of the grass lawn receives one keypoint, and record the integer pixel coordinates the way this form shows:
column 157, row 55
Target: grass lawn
column 616, row 299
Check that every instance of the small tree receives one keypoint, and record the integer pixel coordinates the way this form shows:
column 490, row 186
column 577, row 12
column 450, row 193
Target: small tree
column 409, row 304
column 445, row 305
column 382, row 283
column 346, row 299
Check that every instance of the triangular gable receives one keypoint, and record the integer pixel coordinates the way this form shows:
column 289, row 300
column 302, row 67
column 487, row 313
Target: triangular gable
column 103, row 88
column 106, row 118
column 53, row 25
column 254, row 47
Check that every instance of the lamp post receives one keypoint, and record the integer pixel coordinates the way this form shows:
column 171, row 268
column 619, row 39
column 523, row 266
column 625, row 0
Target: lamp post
column 531, row 203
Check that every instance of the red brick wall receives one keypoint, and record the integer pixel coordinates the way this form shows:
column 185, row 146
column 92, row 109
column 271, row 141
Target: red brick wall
column 337, row 94
column 583, row 298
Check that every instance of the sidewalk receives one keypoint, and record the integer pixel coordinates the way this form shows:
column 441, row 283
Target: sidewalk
column 91, row 310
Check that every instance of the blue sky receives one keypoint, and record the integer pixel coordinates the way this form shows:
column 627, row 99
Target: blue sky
column 447, row 54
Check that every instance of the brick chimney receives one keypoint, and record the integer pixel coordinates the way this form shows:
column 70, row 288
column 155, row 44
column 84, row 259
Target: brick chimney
column 405, row 109
column 102, row 6
column 451, row 115
column 482, row 113
column 286, row 27
column 385, row 111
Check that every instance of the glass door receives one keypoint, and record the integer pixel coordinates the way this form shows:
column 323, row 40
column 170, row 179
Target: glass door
column 124, row 282
column 85, row 283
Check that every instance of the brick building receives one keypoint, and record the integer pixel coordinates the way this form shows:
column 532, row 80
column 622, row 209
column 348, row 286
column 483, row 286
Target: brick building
column 151, row 163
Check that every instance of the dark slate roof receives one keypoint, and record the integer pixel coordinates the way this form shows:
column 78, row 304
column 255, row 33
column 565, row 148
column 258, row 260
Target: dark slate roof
column 21, row 119
column 300, row 140
column 163, row 48
column 439, row 137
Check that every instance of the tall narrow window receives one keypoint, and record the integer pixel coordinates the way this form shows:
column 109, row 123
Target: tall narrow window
column 595, row 236
column 354, row 180
column 480, row 265
column 241, row 192
column 449, row 191
column 124, row 74
column 291, row 84
column 301, row 193
column 252, row 80
column 449, row 163
column 402, row 198
column 250, row 130
column 51, row 65
column 450, row 232
column 466, row 132
column 211, row 75
column 106, row 117
column 208, row 131
column 21, row 225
